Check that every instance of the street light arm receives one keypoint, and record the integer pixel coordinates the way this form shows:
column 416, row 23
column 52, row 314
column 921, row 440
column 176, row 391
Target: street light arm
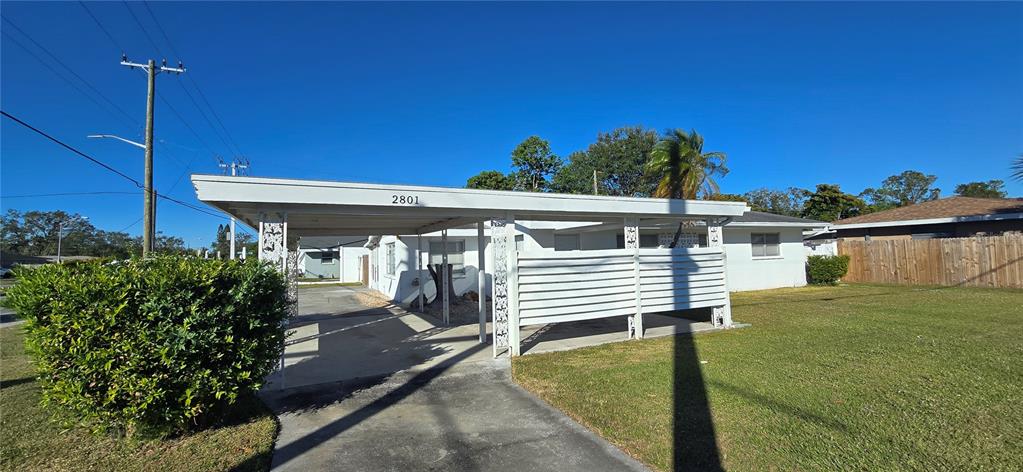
column 133, row 143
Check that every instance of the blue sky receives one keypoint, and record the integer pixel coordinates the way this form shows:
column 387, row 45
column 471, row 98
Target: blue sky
column 795, row 94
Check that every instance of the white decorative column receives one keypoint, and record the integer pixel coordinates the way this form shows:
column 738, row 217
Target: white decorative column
column 505, row 303
column 481, row 276
column 632, row 242
column 721, row 316
column 444, row 276
column 273, row 239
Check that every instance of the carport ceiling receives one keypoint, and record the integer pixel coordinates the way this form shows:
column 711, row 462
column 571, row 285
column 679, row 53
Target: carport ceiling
column 325, row 208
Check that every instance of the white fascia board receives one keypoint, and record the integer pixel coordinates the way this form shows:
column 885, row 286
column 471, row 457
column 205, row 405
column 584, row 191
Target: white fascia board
column 220, row 188
column 778, row 224
column 933, row 221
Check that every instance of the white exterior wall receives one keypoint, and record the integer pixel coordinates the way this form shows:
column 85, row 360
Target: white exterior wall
column 744, row 272
column 826, row 247
column 748, row 273
column 402, row 287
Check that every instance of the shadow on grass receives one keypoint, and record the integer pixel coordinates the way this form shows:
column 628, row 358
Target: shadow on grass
column 694, row 445
column 10, row 383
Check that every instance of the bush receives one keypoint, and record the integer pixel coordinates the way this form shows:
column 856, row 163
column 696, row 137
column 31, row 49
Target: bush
column 826, row 270
column 154, row 345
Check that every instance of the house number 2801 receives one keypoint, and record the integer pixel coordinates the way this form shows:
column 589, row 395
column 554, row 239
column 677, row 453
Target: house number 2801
column 404, row 199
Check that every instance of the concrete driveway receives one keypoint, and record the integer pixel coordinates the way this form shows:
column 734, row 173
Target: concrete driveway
column 377, row 388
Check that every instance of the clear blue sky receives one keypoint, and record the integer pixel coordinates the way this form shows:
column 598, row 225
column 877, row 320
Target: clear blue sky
column 796, row 94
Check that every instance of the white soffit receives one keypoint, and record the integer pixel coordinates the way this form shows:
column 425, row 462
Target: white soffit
column 337, row 208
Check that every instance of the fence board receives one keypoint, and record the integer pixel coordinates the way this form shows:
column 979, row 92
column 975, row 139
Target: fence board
column 987, row 261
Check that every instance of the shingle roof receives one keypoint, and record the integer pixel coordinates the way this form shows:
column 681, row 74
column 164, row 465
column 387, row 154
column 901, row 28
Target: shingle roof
column 944, row 208
column 762, row 217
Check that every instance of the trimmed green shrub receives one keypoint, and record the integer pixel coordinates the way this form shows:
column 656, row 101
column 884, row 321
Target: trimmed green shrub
column 151, row 346
column 826, row 270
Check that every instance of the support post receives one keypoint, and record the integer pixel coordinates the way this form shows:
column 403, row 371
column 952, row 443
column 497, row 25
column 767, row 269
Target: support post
column 501, row 237
column 514, row 333
column 419, row 269
column 721, row 316
column 444, row 276
column 632, row 242
column 481, row 276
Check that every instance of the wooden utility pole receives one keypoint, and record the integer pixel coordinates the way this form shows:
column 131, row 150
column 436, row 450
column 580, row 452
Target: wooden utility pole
column 594, row 181
column 149, row 208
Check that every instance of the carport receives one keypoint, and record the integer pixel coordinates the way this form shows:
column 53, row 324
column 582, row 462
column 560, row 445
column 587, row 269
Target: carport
column 528, row 287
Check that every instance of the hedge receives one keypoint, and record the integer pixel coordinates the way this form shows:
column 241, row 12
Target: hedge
column 151, row 346
column 826, row 270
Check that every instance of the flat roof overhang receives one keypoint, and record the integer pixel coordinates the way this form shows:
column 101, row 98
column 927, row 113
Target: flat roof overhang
column 328, row 208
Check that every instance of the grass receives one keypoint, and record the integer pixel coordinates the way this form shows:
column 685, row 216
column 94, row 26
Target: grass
column 30, row 441
column 853, row 377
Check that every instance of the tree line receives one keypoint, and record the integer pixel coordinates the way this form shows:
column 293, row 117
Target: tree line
column 638, row 162
column 34, row 233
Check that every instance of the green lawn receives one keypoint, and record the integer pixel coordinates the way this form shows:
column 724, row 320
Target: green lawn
column 853, row 377
column 29, row 441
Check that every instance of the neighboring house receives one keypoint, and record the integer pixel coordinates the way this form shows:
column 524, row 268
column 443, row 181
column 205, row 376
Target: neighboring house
column 763, row 251
column 953, row 217
column 337, row 258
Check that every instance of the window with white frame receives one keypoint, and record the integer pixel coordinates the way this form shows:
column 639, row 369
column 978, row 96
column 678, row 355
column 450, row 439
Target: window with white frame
column 566, row 242
column 766, row 244
column 391, row 263
column 327, row 257
column 456, row 256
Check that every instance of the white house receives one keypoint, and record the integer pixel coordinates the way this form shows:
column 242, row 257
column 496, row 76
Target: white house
column 332, row 258
column 531, row 281
column 762, row 250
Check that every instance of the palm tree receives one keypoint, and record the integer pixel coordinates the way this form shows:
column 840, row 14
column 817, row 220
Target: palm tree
column 682, row 170
column 1017, row 168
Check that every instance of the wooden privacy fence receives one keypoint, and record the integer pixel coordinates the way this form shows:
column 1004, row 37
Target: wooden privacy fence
column 990, row 261
column 580, row 285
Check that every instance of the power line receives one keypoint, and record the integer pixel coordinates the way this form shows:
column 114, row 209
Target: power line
column 69, row 148
column 107, row 167
column 101, row 27
column 64, row 78
column 61, row 63
column 195, row 84
column 143, row 28
column 129, row 226
column 67, row 194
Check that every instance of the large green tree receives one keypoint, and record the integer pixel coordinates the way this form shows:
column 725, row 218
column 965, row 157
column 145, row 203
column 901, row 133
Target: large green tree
column 34, row 233
column 991, row 189
column 534, row 164
column 830, row 203
column 787, row 202
column 683, row 170
column 618, row 161
column 907, row 188
column 491, row 180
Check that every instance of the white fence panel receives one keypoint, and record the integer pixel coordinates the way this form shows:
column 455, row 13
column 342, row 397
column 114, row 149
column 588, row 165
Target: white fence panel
column 580, row 285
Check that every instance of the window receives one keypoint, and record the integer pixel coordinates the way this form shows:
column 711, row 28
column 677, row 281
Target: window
column 456, row 256
column 766, row 244
column 391, row 264
column 520, row 242
column 327, row 257
column 566, row 242
column 645, row 240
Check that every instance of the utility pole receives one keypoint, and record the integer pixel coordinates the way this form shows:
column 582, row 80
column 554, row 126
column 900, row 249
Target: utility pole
column 60, row 233
column 594, row 181
column 234, row 166
column 149, row 210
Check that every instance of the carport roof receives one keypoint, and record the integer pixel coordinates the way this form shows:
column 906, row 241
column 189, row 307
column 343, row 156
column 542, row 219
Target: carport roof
column 329, row 208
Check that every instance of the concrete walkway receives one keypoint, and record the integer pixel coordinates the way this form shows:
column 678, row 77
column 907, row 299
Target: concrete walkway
column 378, row 388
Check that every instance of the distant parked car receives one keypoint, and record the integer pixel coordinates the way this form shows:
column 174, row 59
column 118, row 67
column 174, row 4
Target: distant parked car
column 6, row 273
